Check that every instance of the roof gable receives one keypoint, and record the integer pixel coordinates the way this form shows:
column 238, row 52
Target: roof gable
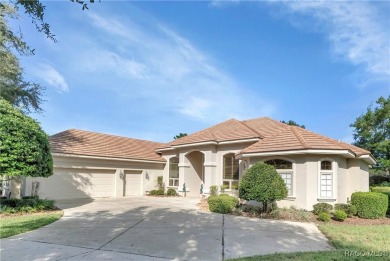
column 226, row 131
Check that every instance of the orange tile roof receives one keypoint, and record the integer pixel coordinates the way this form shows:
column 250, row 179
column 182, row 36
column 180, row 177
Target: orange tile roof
column 231, row 130
column 296, row 138
column 80, row 142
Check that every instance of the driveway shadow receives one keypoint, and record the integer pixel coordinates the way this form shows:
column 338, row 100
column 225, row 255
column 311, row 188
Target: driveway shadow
column 146, row 230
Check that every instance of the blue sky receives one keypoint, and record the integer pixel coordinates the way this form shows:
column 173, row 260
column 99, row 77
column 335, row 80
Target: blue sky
column 151, row 70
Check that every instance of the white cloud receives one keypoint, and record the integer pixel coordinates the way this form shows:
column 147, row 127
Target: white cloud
column 357, row 30
column 168, row 70
column 51, row 76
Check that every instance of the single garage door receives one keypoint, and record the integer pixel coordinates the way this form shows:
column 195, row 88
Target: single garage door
column 77, row 183
column 133, row 183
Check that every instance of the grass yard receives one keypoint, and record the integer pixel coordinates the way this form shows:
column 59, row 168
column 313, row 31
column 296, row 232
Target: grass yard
column 343, row 238
column 17, row 224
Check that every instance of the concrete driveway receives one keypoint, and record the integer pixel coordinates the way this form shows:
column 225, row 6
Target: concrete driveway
column 144, row 228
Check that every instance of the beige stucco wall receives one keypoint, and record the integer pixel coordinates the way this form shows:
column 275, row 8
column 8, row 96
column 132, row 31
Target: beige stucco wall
column 62, row 180
column 349, row 175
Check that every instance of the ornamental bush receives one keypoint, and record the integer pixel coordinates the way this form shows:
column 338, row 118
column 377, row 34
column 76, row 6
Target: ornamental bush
column 222, row 204
column 171, row 192
column 370, row 204
column 213, row 190
column 347, row 208
column 324, row 216
column 340, row 215
column 14, row 205
column 262, row 183
column 24, row 146
column 157, row 192
column 322, row 207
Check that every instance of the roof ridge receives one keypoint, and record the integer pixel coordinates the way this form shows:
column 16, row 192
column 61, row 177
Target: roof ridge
column 105, row 134
column 298, row 135
column 255, row 131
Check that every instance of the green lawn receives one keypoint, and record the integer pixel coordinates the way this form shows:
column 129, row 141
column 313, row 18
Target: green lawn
column 13, row 225
column 343, row 238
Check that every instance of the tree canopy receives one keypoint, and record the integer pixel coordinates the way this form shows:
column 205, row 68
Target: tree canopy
column 372, row 132
column 180, row 135
column 262, row 183
column 36, row 11
column 293, row 123
column 13, row 87
column 24, row 146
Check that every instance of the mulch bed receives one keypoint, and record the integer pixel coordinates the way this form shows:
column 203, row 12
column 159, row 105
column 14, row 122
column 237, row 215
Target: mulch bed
column 203, row 205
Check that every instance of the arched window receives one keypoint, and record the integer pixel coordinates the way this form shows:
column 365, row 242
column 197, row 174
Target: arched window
column 285, row 170
column 174, row 172
column 230, row 171
column 326, row 179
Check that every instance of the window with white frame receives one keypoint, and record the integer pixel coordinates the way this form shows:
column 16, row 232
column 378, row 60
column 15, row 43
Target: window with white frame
column 174, row 172
column 230, row 171
column 326, row 179
column 285, row 170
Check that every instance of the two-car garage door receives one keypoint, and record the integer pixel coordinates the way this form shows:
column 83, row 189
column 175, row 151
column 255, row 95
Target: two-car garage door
column 87, row 183
column 78, row 183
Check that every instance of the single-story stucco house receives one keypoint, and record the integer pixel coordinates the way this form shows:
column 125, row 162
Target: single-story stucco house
column 315, row 168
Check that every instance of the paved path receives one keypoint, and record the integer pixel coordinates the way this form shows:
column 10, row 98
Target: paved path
column 144, row 228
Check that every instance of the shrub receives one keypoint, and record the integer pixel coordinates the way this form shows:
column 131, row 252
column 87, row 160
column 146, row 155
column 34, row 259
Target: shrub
column 383, row 190
column 171, row 192
column 223, row 188
column 324, row 216
column 340, row 215
column 291, row 213
column 249, row 208
column 160, row 183
column 384, row 184
column 26, row 205
column 262, row 183
column 347, row 208
column 213, row 190
column 25, row 149
column 157, row 192
column 223, row 205
column 370, row 204
column 9, row 202
column 224, row 195
column 374, row 180
column 322, row 207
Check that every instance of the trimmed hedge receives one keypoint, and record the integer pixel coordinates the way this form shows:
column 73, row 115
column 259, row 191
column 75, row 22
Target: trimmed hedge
column 384, row 190
column 370, row 204
column 322, row 207
column 222, row 204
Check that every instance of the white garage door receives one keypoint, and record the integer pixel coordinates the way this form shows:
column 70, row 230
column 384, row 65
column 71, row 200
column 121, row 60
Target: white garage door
column 77, row 183
column 133, row 183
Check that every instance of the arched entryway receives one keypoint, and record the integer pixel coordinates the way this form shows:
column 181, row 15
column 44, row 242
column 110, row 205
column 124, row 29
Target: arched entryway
column 194, row 175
